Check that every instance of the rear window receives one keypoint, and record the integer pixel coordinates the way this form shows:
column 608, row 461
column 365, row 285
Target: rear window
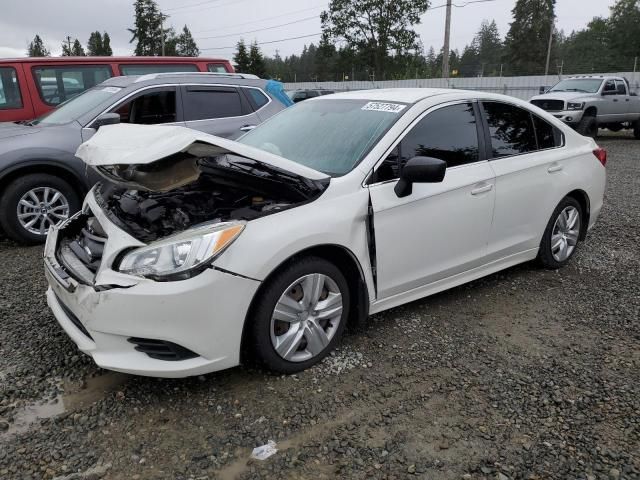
column 9, row 89
column 217, row 68
column 157, row 68
column 59, row 84
column 548, row 136
column 258, row 99
column 205, row 103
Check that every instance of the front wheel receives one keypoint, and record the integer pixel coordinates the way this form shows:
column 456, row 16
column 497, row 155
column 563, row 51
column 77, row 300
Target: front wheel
column 562, row 234
column 588, row 126
column 299, row 316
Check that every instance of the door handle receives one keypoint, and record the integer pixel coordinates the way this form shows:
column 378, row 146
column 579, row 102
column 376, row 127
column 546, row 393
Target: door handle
column 246, row 128
column 615, row 99
column 626, row 99
column 554, row 168
column 483, row 189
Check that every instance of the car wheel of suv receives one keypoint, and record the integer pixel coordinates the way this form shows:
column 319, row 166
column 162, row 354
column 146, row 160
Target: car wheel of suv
column 562, row 234
column 33, row 203
column 636, row 129
column 588, row 126
column 300, row 316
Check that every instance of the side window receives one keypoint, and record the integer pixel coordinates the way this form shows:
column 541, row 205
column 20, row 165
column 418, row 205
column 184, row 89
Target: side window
column 609, row 86
column 216, row 68
column 152, row 108
column 202, row 103
column 256, row 97
column 157, row 68
column 449, row 133
column 9, row 89
column 548, row 136
column 510, row 128
column 621, row 88
column 312, row 93
column 59, row 84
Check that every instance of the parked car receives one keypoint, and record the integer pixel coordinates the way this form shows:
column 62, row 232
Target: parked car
column 590, row 102
column 30, row 87
column 41, row 180
column 204, row 253
column 300, row 95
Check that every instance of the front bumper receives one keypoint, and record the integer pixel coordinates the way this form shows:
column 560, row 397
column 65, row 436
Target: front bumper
column 570, row 117
column 204, row 314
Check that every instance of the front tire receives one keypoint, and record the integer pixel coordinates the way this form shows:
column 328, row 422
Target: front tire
column 588, row 126
column 299, row 316
column 34, row 202
column 562, row 234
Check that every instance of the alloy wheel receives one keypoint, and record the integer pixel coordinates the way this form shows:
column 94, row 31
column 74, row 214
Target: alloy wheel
column 40, row 208
column 306, row 317
column 565, row 233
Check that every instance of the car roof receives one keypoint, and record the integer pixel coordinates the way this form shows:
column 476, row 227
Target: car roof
column 185, row 77
column 404, row 95
column 111, row 60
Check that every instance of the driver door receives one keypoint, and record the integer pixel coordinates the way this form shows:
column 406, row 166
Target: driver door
column 440, row 229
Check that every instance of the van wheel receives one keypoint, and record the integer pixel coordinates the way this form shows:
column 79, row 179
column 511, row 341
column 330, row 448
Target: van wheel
column 33, row 203
column 299, row 316
column 560, row 238
column 636, row 129
column 588, row 126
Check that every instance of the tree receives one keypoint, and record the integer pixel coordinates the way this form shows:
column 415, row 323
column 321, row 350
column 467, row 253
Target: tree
column 186, row 45
column 76, row 49
column 148, row 31
column 528, row 37
column 106, row 45
column 589, row 50
column 256, row 61
column 37, row 49
column 241, row 57
column 624, row 29
column 483, row 55
column 94, row 44
column 66, row 47
column 374, row 28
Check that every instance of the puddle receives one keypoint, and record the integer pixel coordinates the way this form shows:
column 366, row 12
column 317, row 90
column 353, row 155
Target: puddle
column 75, row 397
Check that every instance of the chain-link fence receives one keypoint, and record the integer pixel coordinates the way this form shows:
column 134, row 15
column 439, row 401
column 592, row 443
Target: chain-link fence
column 523, row 87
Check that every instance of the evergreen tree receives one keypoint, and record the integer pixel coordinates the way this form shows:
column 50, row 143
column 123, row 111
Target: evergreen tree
column 37, row 49
column 148, row 31
column 106, row 46
column 528, row 37
column 76, row 49
column 241, row 57
column 94, row 44
column 624, row 30
column 66, row 47
column 186, row 45
column 256, row 61
column 483, row 55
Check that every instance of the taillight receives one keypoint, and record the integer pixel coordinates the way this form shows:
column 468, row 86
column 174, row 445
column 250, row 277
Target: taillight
column 601, row 154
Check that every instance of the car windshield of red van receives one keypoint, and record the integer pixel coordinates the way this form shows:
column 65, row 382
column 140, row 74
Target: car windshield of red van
column 77, row 106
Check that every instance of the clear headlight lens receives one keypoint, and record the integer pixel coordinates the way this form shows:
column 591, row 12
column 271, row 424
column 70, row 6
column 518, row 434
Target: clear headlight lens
column 575, row 105
column 180, row 256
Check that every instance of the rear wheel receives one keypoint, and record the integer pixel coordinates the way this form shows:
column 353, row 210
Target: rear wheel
column 300, row 316
column 560, row 238
column 636, row 129
column 588, row 126
column 33, row 203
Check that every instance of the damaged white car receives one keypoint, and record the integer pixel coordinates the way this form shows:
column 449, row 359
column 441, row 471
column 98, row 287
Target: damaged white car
column 200, row 253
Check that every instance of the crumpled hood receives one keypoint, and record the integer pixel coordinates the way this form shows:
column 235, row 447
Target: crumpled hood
column 564, row 96
column 128, row 147
column 10, row 129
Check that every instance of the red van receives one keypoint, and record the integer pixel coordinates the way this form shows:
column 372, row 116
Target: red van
column 30, row 87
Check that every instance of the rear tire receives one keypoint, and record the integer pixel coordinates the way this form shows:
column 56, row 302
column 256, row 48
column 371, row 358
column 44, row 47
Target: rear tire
column 562, row 234
column 312, row 326
column 52, row 199
column 588, row 126
column 636, row 129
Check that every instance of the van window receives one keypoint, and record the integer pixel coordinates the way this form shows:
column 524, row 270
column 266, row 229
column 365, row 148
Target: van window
column 59, row 84
column 9, row 89
column 217, row 68
column 157, row 68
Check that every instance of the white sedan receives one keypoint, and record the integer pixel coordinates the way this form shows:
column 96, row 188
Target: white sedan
column 202, row 253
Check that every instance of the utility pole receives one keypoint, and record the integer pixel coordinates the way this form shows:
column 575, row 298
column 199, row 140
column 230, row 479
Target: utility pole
column 551, row 29
column 162, row 32
column 69, row 44
column 447, row 35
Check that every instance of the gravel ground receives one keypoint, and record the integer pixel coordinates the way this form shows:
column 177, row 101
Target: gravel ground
column 526, row 374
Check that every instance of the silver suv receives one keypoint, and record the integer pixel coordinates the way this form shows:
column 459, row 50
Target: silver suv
column 41, row 179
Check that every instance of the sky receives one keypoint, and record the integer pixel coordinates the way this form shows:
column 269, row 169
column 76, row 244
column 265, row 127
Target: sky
column 261, row 20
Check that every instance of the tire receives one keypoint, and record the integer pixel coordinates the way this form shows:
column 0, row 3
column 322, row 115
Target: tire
column 300, row 345
column 550, row 255
column 636, row 129
column 588, row 126
column 64, row 202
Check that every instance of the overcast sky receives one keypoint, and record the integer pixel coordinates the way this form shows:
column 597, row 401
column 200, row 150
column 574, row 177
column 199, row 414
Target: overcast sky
column 229, row 20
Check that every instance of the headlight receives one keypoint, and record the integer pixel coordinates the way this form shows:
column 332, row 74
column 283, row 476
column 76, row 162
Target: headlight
column 182, row 255
column 575, row 105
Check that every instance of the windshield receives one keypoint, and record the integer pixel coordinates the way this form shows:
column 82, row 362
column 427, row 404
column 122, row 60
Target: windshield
column 328, row 135
column 587, row 85
column 72, row 109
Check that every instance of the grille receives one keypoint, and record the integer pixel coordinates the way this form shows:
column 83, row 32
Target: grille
column 73, row 318
column 81, row 247
column 549, row 105
column 161, row 349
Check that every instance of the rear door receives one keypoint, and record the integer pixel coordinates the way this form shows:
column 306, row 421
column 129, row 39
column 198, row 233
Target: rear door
column 15, row 102
column 624, row 100
column 219, row 110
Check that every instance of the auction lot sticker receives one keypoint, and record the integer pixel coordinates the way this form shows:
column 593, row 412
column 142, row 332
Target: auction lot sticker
column 384, row 107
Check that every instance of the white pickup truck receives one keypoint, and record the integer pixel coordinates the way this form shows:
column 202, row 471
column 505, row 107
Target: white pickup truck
column 591, row 102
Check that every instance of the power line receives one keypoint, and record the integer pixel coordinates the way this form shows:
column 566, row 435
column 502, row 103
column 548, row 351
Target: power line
column 258, row 29
column 266, row 43
column 235, row 2
column 180, row 7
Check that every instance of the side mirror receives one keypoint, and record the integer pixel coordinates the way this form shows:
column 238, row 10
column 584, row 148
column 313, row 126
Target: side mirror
column 608, row 92
column 106, row 119
column 420, row 170
column 542, row 90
